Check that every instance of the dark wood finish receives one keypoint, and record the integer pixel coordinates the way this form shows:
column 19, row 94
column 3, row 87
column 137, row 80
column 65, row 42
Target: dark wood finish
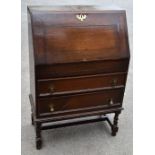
column 71, row 40
column 115, row 124
column 76, row 113
column 38, row 135
column 79, row 122
column 75, row 44
column 77, row 68
column 81, row 68
column 53, row 86
column 83, row 100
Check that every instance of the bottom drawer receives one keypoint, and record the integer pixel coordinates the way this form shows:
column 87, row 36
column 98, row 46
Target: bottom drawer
column 107, row 98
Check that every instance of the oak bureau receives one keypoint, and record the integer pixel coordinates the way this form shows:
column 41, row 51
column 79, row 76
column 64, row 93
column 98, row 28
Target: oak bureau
column 79, row 58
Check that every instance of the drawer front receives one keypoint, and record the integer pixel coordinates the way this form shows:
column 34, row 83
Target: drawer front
column 83, row 68
column 82, row 83
column 108, row 98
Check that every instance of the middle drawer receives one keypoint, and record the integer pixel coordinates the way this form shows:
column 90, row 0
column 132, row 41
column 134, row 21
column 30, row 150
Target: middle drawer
column 47, row 87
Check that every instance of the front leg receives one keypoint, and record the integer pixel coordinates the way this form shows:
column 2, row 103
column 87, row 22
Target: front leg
column 115, row 124
column 38, row 135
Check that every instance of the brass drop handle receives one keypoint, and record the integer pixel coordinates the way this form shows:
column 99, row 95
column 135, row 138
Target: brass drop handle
column 111, row 102
column 51, row 108
column 51, row 89
column 81, row 17
column 114, row 82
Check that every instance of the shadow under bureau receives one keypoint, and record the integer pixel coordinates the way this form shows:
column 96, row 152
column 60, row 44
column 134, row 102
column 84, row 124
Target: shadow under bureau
column 79, row 57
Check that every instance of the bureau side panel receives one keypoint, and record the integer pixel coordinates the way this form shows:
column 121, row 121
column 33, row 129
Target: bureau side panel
column 31, row 61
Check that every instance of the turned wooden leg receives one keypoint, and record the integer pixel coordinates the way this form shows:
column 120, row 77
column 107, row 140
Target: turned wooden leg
column 115, row 124
column 32, row 119
column 38, row 135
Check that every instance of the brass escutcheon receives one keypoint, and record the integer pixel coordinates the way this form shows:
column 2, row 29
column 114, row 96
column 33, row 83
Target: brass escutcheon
column 111, row 101
column 51, row 108
column 81, row 17
column 51, row 89
column 114, row 82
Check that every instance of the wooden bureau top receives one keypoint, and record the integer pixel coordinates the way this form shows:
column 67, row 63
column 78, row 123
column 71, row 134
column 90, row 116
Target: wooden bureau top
column 74, row 8
column 60, row 36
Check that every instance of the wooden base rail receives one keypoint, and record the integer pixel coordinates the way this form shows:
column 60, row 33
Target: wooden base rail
column 45, row 126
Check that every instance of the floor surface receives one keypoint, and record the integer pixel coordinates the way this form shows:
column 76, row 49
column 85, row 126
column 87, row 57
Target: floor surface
column 91, row 139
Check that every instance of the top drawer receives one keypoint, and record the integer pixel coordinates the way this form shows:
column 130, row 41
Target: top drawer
column 78, row 84
column 83, row 68
column 68, row 37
